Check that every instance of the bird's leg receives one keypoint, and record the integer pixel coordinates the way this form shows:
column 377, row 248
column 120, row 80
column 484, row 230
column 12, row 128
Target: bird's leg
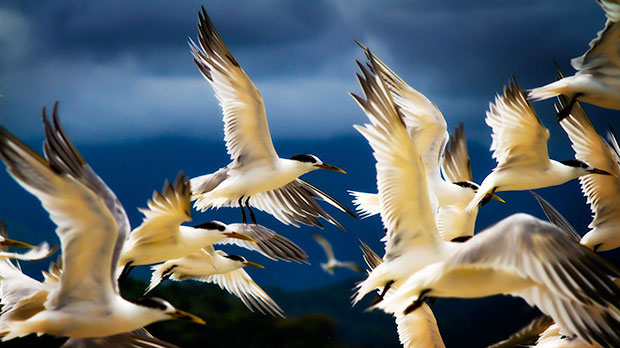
column 167, row 273
column 417, row 303
column 252, row 217
column 487, row 197
column 125, row 273
column 379, row 297
column 245, row 220
column 565, row 111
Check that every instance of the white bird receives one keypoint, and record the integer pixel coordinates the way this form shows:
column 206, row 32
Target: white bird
column 602, row 191
column 161, row 237
column 416, row 330
column 92, row 227
column 39, row 252
column 215, row 266
column 428, row 131
column 256, row 176
column 527, row 257
column 597, row 78
column 520, row 148
column 332, row 263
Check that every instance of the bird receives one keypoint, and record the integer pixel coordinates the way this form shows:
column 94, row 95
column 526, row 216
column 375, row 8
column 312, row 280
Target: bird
column 332, row 263
column 530, row 258
column 136, row 338
column 215, row 266
column 520, row 148
column 596, row 80
column 526, row 335
column 602, row 192
column 92, row 226
column 256, row 177
column 39, row 252
column 161, row 237
column 418, row 329
column 428, row 130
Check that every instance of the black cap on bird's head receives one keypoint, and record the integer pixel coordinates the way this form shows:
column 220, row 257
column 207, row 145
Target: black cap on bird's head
column 243, row 261
column 316, row 162
column 575, row 163
column 165, row 307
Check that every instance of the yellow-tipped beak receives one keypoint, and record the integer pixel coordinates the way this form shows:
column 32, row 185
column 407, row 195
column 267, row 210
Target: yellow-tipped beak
column 15, row 243
column 252, row 264
column 183, row 315
column 497, row 198
column 330, row 167
column 240, row 236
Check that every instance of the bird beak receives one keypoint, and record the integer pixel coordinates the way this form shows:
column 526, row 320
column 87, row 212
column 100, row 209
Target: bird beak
column 15, row 243
column 330, row 167
column 252, row 264
column 240, row 236
column 600, row 171
column 497, row 198
column 179, row 314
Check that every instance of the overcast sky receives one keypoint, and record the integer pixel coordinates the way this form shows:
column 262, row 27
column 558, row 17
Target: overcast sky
column 122, row 70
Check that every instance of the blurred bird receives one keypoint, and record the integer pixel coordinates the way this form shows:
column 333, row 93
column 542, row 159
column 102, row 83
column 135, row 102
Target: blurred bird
column 136, row 339
column 332, row 263
column 596, row 80
column 215, row 266
column 256, row 176
column 520, row 148
column 161, row 237
column 92, row 227
column 41, row 251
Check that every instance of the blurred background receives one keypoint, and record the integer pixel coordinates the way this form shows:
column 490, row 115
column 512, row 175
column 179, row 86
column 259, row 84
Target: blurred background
column 139, row 111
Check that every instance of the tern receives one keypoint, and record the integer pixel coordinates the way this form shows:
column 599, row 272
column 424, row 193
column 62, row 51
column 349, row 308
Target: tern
column 92, row 227
column 332, row 263
column 256, row 176
column 520, row 148
column 602, row 191
column 215, row 266
column 428, row 130
column 37, row 253
column 596, row 80
column 161, row 237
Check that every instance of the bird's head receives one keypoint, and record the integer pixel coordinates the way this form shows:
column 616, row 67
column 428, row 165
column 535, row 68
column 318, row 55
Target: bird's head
column 311, row 162
column 221, row 230
column 585, row 168
column 241, row 260
column 165, row 311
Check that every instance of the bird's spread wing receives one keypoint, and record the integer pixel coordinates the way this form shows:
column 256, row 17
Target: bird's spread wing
column 268, row 243
column 80, row 205
column 611, row 8
column 327, row 247
column 166, row 211
column 425, row 123
column 527, row 335
column 239, row 283
column 366, row 204
column 419, row 329
column 245, row 125
column 456, row 166
column 406, row 209
column 295, row 203
column 602, row 191
column 603, row 56
column 136, row 339
column 20, row 295
column 534, row 249
column 518, row 136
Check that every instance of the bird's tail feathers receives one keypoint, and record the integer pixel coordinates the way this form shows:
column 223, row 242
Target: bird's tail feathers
column 366, row 204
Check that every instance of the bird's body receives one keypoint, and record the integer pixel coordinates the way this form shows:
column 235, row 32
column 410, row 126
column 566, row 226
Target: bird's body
column 520, row 148
column 92, row 226
column 257, row 176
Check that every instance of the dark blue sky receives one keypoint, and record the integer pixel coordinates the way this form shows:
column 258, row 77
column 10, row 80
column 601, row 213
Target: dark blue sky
column 139, row 111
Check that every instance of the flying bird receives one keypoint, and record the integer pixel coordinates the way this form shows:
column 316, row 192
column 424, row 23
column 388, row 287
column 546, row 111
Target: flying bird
column 520, row 148
column 92, row 227
column 215, row 266
column 256, row 177
column 332, row 263
column 596, row 80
